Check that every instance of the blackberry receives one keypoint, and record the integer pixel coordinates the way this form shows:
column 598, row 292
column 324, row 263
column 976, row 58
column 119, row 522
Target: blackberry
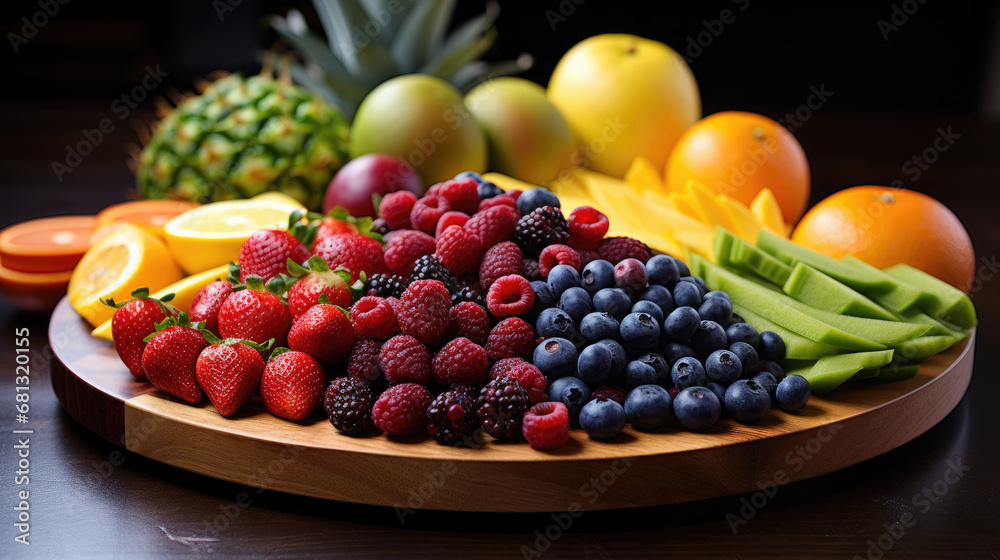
column 348, row 402
column 384, row 285
column 540, row 228
column 501, row 406
column 468, row 293
column 428, row 267
column 451, row 417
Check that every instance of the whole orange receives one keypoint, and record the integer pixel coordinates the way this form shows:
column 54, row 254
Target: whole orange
column 738, row 154
column 884, row 226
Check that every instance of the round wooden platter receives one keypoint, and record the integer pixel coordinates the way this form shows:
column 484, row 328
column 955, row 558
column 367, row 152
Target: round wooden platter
column 857, row 422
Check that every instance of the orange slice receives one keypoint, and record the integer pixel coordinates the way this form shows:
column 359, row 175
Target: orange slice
column 47, row 244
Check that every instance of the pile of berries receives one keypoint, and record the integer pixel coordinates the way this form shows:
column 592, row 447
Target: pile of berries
column 468, row 312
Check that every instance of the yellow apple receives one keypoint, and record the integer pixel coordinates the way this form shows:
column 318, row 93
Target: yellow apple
column 624, row 96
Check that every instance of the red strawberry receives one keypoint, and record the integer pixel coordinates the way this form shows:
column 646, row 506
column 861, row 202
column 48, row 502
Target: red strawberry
column 171, row 357
column 292, row 385
column 254, row 314
column 315, row 280
column 207, row 303
column 359, row 253
column 324, row 332
column 134, row 320
column 265, row 254
column 330, row 226
column 229, row 372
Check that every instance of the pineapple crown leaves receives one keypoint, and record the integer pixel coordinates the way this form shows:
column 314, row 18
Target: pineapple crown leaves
column 143, row 294
column 212, row 338
column 181, row 320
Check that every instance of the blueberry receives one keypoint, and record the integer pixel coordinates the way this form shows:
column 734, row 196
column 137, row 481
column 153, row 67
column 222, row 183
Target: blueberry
column 772, row 367
column 687, row 294
column 597, row 275
column 723, row 366
column 486, row 189
column 648, row 407
column 747, row 402
column 698, row 282
column 618, row 361
column 576, row 302
column 663, row 271
column 716, row 309
column 640, row 330
column 571, row 392
column 742, row 332
column 613, row 301
column 649, row 369
column 630, row 275
column 675, row 351
column 748, row 357
column 561, row 278
column 734, row 319
column 469, row 175
column 649, row 308
column 554, row 322
column 543, row 300
column 536, row 198
column 660, row 296
column 715, row 294
column 555, row 358
column 719, row 390
column 681, row 324
column 771, row 346
column 688, row 372
column 599, row 326
column 602, row 419
column 768, row 383
column 697, row 408
column 792, row 393
column 708, row 338
column 682, row 268
column 594, row 364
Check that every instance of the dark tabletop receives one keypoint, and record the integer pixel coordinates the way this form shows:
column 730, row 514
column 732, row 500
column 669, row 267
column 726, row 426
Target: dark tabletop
column 90, row 499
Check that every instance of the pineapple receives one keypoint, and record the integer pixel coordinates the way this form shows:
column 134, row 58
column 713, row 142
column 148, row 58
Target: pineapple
column 370, row 41
column 241, row 137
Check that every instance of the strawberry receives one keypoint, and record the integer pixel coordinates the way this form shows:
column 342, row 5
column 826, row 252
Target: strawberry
column 358, row 253
column 255, row 314
column 207, row 303
column 229, row 371
column 316, row 279
column 293, row 384
column 332, row 226
column 171, row 355
column 324, row 332
column 134, row 320
column 267, row 251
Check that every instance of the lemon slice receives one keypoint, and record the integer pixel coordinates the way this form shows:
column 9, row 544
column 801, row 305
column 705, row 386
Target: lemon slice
column 211, row 235
column 184, row 291
column 124, row 260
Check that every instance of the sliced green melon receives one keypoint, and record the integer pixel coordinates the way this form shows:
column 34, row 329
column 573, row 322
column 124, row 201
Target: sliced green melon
column 831, row 371
column 760, row 263
column 797, row 347
column 902, row 297
column 892, row 373
column 791, row 253
column 952, row 304
column 920, row 349
column 818, row 290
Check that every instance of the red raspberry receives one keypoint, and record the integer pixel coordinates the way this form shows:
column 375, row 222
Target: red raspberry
column 395, row 209
column 510, row 295
column 587, row 227
column 423, row 310
column 460, row 362
column 363, row 362
column 459, row 250
column 503, row 259
column 503, row 366
column 470, row 321
column 462, row 194
column 531, row 271
column 546, row 425
column 610, row 393
column 403, row 249
column 502, row 200
column 358, row 253
column 530, row 377
column 494, row 225
column 373, row 317
column 554, row 255
column 511, row 338
column 617, row 249
column 402, row 409
column 587, row 256
column 427, row 211
column 404, row 359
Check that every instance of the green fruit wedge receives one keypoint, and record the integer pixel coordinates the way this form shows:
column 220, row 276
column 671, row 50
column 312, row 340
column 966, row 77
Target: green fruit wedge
column 893, row 373
column 797, row 347
column 953, row 305
column 875, row 330
column 920, row 349
column 722, row 246
column 902, row 296
column 818, row 290
column 938, row 328
column 791, row 253
column 830, row 371
column 751, row 258
column 865, row 374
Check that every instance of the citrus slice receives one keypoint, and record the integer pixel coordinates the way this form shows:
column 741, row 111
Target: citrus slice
column 211, row 235
column 184, row 291
column 35, row 292
column 47, row 244
column 126, row 259
column 147, row 214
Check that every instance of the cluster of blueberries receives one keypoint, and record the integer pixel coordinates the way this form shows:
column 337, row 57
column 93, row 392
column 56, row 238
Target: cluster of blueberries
column 656, row 334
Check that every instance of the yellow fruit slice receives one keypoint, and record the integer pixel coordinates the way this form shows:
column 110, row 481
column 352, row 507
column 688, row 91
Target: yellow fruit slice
column 683, row 204
column 707, row 207
column 766, row 209
column 280, row 198
column 211, row 235
column 747, row 227
column 696, row 242
column 184, row 291
column 124, row 260
column 644, row 176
